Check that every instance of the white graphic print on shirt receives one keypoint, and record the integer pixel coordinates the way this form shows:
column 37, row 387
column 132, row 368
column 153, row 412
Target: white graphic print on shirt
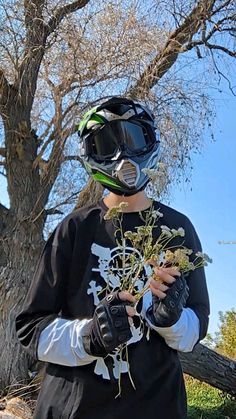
column 108, row 267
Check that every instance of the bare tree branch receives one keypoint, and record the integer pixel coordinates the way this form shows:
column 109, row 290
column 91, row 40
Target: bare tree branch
column 221, row 48
column 69, row 158
column 12, row 59
column 12, row 53
column 91, row 193
column 223, row 5
column 2, row 174
column 63, row 11
column 217, row 27
column 4, row 87
column 2, row 152
column 53, row 166
column 4, row 215
column 4, row 211
column 40, row 154
column 53, row 211
column 231, row 88
column 169, row 54
column 36, row 36
column 212, row 368
column 198, row 43
column 45, row 133
column 37, row 32
column 67, row 201
column 35, row 28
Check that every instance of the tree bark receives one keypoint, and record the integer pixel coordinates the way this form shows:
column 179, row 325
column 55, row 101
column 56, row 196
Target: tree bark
column 212, row 368
column 22, row 245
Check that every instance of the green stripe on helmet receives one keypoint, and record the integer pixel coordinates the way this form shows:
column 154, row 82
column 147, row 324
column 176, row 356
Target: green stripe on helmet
column 99, row 177
column 97, row 118
column 86, row 118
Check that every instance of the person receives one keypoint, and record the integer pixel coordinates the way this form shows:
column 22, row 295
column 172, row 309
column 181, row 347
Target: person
column 75, row 318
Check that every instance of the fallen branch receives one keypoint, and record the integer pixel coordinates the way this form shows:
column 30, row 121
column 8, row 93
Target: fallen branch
column 206, row 365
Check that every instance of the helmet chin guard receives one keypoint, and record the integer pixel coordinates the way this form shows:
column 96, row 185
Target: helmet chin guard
column 128, row 172
column 119, row 140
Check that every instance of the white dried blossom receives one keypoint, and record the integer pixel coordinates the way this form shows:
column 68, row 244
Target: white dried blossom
column 181, row 231
column 114, row 212
column 165, row 228
column 151, row 173
column 199, row 254
column 156, row 214
column 204, row 256
column 166, row 231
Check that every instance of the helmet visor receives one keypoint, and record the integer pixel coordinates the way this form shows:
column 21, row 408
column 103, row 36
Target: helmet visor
column 108, row 139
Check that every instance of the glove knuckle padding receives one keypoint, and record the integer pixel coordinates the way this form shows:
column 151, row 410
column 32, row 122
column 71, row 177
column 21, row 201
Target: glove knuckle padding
column 110, row 325
column 177, row 295
column 167, row 311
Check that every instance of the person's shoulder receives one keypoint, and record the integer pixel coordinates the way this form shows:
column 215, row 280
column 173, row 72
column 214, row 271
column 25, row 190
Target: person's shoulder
column 175, row 219
column 79, row 215
column 168, row 211
column 81, row 219
column 172, row 216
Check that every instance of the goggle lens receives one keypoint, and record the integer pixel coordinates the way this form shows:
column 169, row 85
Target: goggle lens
column 105, row 141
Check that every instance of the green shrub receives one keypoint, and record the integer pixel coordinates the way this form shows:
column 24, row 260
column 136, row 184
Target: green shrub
column 207, row 402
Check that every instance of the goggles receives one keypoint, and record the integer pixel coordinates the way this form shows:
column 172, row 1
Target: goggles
column 107, row 140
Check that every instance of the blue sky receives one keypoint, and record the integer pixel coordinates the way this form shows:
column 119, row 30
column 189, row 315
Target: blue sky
column 210, row 202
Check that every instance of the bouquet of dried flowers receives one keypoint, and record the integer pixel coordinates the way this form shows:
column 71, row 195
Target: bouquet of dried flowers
column 161, row 252
column 146, row 251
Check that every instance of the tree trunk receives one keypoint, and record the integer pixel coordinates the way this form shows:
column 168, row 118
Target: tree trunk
column 24, row 247
column 212, row 368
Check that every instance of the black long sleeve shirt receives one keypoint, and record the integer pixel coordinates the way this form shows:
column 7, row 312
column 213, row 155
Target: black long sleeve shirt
column 79, row 251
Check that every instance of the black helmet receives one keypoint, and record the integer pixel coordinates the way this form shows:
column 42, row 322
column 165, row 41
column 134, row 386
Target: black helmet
column 118, row 141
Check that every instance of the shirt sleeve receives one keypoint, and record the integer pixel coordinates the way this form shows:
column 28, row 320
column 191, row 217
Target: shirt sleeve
column 198, row 299
column 193, row 323
column 183, row 335
column 40, row 319
column 61, row 343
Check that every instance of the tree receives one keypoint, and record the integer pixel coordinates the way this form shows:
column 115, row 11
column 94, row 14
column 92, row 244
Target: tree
column 59, row 57
column 224, row 341
column 226, row 338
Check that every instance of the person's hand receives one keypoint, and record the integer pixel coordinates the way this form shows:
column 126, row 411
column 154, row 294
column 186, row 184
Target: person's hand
column 169, row 296
column 111, row 324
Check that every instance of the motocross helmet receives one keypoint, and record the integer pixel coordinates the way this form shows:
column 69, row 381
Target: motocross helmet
column 118, row 140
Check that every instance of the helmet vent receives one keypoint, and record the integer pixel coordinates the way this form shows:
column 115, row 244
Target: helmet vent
column 127, row 173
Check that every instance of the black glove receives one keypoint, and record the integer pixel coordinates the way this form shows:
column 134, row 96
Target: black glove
column 110, row 326
column 166, row 312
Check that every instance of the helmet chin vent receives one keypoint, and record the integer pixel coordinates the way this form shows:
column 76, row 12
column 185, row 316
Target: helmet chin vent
column 128, row 173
